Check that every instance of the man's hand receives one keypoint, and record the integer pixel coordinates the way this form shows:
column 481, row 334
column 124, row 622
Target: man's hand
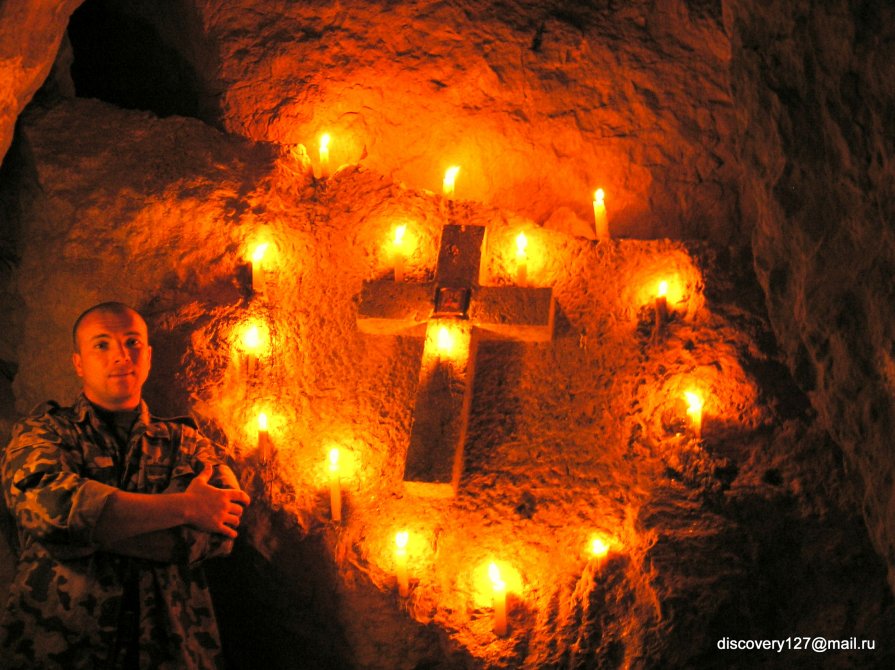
column 212, row 509
column 202, row 506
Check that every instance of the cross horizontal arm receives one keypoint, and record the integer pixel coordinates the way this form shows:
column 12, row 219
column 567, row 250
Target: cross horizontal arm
column 390, row 308
column 513, row 312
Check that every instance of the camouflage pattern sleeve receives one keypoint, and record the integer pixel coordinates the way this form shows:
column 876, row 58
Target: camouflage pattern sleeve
column 44, row 485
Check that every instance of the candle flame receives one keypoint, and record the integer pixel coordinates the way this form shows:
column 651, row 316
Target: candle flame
column 399, row 234
column 663, row 289
column 258, row 253
column 251, row 338
column 521, row 244
column 401, row 540
column 598, row 547
column 262, row 421
column 494, row 574
column 450, row 177
column 599, row 194
column 445, row 339
column 694, row 402
column 334, row 459
column 324, row 141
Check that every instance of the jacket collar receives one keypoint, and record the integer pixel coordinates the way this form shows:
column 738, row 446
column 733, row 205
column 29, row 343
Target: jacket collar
column 84, row 412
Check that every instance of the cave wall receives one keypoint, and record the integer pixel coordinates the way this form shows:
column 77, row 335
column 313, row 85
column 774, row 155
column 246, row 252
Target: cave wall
column 30, row 34
column 539, row 102
column 784, row 133
column 814, row 85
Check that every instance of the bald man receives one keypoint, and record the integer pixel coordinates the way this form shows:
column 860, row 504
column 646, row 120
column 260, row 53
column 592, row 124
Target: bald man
column 115, row 509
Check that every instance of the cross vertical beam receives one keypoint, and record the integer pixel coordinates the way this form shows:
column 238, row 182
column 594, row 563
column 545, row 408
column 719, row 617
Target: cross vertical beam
column 455, row 311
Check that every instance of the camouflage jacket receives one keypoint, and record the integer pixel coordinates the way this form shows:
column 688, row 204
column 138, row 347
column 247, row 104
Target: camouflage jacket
column 71, row 603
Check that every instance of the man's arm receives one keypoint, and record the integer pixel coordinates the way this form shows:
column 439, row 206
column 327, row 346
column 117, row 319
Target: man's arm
column 201, row 506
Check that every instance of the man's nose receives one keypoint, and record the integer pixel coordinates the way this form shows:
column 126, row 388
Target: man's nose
column 120, row 352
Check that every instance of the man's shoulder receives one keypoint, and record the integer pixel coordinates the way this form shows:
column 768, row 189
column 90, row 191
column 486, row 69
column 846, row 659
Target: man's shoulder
column 49, row 411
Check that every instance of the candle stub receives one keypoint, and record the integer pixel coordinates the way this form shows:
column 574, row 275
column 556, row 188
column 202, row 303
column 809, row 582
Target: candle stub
column 499, row 594
column 258, row 278
column 694, row 412
column 264, row 446
column 661, row 305
column 401, row 563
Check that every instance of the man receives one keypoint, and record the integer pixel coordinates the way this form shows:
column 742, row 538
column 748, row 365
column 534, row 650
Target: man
column 114, row 509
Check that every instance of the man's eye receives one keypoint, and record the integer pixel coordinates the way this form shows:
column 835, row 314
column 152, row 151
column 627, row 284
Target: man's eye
column 101, row 345
column 134, row 343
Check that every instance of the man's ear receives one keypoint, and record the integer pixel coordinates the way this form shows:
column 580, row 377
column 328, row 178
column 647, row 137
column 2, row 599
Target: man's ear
column 76, row 361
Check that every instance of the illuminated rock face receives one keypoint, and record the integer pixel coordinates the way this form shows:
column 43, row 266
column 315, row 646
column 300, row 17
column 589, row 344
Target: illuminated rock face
column 539, row 103
column 750, row 532
column 30, row 34
column 585, row 433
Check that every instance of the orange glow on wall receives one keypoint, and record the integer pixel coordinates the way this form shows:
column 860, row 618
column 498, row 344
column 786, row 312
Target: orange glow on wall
column 662, row 291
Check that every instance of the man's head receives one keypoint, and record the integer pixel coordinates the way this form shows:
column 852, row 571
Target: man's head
column 112, row 355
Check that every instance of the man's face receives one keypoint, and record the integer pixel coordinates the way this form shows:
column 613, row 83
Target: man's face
column 113, row 358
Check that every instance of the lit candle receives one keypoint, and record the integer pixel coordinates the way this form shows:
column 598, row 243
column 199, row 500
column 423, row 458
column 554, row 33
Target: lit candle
column 694, row 411
column 521, row 259
column 598, row 547
column 324, row 155
column 399, row 252
column 499, row 593
column 401, row 563
column 450, row 178
column 445, row 341
column 251, row 342
column 335, row 486
column 258, row 268
column 662, row 305
column 263, row 438
column 601, row 225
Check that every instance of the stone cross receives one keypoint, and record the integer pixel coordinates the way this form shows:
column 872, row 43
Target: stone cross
column 444, row 394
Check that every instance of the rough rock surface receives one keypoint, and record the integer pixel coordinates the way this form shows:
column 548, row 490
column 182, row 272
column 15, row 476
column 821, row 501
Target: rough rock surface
column 815, row 90
column 30, row 34
column 538, row 102
column 701, row 119
column 585, row 434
